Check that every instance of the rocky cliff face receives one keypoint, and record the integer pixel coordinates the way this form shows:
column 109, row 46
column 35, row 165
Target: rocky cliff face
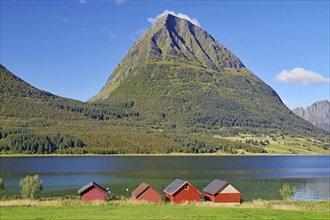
column 318, row 114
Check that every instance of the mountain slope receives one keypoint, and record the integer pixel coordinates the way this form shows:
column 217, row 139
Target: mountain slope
column 12, row 85
column 26, row 112
column 20, row 99
column 37, row 122
column 318, row 114
column 170, row 40
column 176, row 74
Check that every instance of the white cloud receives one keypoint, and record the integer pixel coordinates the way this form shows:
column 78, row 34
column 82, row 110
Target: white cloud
column 301, row 76
column 82, row 1
column 180, row 15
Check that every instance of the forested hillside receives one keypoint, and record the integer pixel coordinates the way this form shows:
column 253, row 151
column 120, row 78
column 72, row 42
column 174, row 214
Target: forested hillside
column 176, row 90
column 37, row 122
column 179, row 76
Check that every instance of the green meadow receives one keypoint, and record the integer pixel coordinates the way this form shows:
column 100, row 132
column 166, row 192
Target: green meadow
column 285, row 145
column 127, row 209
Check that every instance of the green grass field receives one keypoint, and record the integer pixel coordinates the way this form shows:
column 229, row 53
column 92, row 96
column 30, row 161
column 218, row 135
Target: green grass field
column 73, row 209
column 287, row 145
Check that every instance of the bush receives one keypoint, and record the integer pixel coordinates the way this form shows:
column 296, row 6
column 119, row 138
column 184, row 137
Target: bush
column 2, row 187
column 287, row 191
column 30, row 187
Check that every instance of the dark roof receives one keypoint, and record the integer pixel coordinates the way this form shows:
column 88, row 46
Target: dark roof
column 175, row 186
column 140, row 189
column 89, row 185
column 215, row 186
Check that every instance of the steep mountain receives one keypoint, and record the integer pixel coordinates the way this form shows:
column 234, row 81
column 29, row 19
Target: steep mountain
column 33, row 121
column 24, row 110
column 176, row 90
column 318, row 114
column 178, row 75
column 20, row 99
column 172, row 41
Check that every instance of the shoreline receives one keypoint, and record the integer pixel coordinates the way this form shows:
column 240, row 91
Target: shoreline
column 156, row 155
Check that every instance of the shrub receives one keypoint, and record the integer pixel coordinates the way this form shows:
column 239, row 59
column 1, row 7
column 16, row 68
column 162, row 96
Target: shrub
column 2, row 187
column 287, row 191
column 30, row 187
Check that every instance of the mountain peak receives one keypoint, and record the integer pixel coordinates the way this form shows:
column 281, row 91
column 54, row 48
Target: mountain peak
column 177, row 39
column 168, row 17
column 172, row 40
column 171, row 16
column 171, row 20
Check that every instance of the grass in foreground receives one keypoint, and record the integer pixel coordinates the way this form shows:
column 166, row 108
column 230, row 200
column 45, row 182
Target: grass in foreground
column 74, row 209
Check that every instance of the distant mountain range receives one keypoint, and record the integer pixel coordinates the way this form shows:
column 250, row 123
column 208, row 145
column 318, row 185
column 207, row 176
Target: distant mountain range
column 318, row 114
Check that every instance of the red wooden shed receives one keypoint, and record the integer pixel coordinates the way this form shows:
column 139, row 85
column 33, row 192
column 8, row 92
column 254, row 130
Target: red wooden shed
column 180, row 191
column 147, row 193
column 93, row 191
column 220, row 191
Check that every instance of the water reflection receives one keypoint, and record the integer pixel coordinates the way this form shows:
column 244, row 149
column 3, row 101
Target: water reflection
column 313, row 189
column 255, row 176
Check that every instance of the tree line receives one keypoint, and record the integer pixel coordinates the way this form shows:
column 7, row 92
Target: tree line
column 191, row 144
column 22, row 140
column 102, row 112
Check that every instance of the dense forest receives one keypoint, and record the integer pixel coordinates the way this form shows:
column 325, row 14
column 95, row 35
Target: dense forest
column 196, row 144
column 21, row 140
column 102, row 111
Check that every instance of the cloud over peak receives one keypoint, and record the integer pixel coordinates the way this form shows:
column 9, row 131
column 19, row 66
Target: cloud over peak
column 301, row 76
column 180, row 15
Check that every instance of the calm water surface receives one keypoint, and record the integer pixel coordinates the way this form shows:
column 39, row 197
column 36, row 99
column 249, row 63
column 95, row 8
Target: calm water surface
column 255, row 176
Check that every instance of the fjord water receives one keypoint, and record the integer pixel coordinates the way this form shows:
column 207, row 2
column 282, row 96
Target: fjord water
column 255, row 176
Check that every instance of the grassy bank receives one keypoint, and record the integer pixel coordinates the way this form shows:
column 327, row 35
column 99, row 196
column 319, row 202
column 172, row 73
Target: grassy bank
column 127, row 209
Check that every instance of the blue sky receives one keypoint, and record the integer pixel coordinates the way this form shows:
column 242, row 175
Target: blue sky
column 70, row 48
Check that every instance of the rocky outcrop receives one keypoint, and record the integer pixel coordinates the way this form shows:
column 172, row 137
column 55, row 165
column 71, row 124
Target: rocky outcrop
column 318, row 114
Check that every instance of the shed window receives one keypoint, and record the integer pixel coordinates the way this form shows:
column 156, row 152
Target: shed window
column 186, row 187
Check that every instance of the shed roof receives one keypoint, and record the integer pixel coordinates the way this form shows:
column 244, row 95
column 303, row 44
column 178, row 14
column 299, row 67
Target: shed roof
column 140, row 189
column 89, row 185
column 175, row 186
column 215, row 186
